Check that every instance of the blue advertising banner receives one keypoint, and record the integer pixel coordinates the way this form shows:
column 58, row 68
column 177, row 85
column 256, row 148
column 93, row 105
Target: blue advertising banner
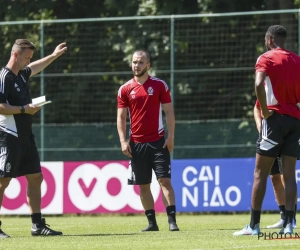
column 211, row 185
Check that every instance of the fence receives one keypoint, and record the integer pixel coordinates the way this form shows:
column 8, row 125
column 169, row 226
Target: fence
column 207, row 60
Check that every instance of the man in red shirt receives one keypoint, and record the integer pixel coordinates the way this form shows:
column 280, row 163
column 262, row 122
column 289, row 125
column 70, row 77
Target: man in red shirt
column 276, row 178
column 279, row 101
column 144, row 97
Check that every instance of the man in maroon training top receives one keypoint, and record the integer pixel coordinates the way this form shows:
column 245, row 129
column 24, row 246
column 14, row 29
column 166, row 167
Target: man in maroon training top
column 144, row 97
column 279, row 100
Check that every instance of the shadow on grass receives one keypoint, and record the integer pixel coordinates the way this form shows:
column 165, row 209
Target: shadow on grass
column 93, row 235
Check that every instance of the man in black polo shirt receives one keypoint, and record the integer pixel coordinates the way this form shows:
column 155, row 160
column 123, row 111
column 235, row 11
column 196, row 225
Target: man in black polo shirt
column 18, row 152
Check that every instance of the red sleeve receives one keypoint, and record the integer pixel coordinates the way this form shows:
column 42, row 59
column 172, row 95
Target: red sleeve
column 262, row 64
column 122, row 98
column 257, row 104
column 165, row 96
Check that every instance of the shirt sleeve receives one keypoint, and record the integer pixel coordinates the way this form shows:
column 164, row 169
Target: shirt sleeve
column 26, row 72
column 4, row 89
column 165, row 96
column 262, row 64
column 257, row 104
column 122, row 98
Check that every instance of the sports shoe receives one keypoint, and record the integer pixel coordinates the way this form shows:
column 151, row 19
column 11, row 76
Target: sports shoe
column 278, row 224
column 2, row 234
column 173, row 227
column 294, row 223
column 288, row 229
column 150, row 227
column 43, row 229
column 247, row 230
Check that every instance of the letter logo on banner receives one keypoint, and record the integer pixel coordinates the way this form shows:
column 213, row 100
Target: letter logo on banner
column 102, row 187
column 212, row 195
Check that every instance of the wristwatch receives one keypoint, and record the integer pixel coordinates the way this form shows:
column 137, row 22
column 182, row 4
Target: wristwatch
column 22, row 110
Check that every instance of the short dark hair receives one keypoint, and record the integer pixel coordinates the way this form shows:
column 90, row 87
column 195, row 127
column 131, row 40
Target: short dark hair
column 145, row 52
column 276, row 31
column 22, row 44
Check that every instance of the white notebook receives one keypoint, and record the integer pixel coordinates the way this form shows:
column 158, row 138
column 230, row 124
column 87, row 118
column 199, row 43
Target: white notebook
column 40, row 101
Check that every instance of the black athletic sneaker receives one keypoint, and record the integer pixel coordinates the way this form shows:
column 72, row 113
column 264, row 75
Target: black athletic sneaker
column 2, row 234
column 43, row 230
column 173, row 227
column 150, row 227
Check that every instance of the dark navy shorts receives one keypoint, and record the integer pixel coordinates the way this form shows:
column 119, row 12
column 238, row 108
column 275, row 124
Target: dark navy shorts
column 147, row 157
column 279, row 135
column 277, row 167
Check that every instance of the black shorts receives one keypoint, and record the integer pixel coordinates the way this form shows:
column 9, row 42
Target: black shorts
column 148, row 156
column 18, row 156
column 279, row 135
column 277, row 167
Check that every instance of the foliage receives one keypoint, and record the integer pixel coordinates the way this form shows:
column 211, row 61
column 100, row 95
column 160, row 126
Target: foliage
column 217, row 90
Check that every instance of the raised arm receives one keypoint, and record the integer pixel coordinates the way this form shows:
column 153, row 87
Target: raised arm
column 39, row 65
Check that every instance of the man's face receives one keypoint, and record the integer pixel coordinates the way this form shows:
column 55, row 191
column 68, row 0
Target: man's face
column 268, row 42
column 140, row 64
column 23, row 58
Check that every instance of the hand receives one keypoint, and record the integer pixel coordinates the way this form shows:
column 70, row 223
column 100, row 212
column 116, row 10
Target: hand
column 31, row 109
column 270, row 112
column 169, row 142
column 60, row 49
column 126, row 149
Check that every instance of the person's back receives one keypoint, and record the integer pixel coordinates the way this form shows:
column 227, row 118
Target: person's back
column 276, row 87
column 283, row 80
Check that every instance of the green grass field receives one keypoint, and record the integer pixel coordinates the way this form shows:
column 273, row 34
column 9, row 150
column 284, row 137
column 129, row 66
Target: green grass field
column 122, row 232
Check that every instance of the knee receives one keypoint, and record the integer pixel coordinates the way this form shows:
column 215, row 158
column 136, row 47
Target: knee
column 165, row 182
column 35, row 179
column 260, row 175
column 145, row 188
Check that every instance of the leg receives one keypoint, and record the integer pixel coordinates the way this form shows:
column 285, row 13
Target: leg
column 148, row 205
column 141, row 174
column 167, row 191
column 162, row 169
column 34, row 182
column 169, row 202
column 146, row 197
column 279, row 193
column 278, row 189
column 279, row 196
column 39, row 226
column 261, row 173
column 289, row 165
column 4, row 182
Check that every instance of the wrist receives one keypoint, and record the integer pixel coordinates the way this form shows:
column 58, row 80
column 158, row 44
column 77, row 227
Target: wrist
column 22, row 110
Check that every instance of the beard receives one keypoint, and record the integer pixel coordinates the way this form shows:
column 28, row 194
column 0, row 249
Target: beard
column 267, row 48
column 141, row 73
